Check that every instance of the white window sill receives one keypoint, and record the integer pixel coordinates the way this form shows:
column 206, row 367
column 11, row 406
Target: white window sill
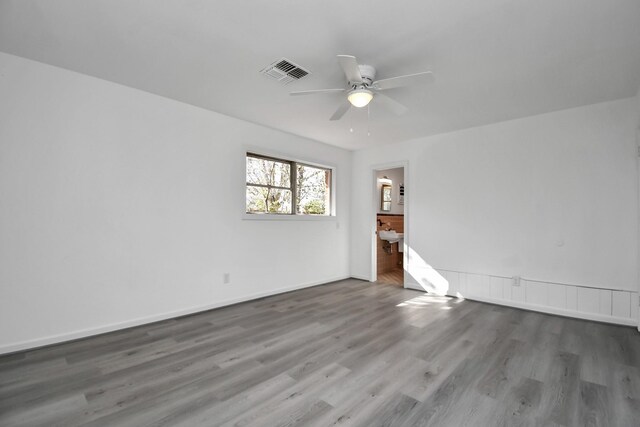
column 284, row 217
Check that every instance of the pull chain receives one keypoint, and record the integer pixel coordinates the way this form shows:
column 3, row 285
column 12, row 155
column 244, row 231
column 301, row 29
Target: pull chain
column 350, row 119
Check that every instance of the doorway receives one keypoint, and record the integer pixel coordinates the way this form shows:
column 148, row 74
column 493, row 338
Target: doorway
column 390, row 226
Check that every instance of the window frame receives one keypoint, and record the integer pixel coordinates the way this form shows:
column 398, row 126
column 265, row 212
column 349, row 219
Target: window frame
column 293, row 163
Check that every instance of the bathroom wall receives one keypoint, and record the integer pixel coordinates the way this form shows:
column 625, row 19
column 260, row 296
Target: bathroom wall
column 389, row 261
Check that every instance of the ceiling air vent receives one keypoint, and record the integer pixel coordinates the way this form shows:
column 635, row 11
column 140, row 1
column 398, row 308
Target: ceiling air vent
column 284, row 71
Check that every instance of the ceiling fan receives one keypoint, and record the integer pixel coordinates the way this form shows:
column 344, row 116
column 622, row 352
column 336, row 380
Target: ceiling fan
column 363, row 88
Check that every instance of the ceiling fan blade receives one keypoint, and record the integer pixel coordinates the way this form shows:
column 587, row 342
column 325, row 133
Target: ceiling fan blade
column 408, row 80
column 341, row 111
column 313, row 92
column 350, row 67
column 391, row 103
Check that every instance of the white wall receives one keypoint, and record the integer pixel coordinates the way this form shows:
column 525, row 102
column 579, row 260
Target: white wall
column 119, row 207
column 551, row 198
column 396, row 176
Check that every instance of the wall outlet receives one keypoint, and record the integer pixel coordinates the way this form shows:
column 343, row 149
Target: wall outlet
column 226, row 278
column 515, row 280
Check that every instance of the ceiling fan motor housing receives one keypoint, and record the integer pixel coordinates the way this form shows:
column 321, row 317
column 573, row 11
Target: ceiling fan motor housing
column 368, row 74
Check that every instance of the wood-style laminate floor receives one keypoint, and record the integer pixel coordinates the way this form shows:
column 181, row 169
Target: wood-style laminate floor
column 393, row 277
column 347, row 353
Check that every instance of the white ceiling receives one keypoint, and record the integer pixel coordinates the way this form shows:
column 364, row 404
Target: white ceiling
column 493, row 59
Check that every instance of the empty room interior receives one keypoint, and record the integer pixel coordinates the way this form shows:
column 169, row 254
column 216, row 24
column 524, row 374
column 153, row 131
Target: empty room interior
column 363, row 213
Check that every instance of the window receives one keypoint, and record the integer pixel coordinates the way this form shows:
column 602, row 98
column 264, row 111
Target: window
column 278, row 186
column 386, row 198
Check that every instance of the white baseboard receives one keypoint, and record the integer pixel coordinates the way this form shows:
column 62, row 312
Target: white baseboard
column 558, row 311
column 618, row 306
column 627, row 321
column 83, row 333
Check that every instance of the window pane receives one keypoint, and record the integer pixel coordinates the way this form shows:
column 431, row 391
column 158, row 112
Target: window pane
column 386, row 193
column 268, row 172
column 268, row 200
column 313, row 190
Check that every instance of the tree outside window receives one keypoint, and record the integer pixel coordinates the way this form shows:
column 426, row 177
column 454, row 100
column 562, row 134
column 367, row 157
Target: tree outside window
column 278, row 186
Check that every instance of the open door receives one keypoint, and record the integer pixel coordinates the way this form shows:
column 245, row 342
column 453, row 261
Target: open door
column 389, row 261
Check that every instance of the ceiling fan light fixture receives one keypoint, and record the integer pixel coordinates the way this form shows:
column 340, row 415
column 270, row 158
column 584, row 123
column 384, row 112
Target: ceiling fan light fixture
column 360, row 97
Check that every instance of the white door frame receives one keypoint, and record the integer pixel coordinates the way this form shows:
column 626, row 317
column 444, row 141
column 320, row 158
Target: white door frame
column 373, row 217
column 638, row 230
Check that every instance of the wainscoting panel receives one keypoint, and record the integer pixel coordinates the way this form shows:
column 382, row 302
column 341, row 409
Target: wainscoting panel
column 620, row 306
column 634, row 306
column 605, row 305
column 588, row 300
column 536, row 293
column 572, row 298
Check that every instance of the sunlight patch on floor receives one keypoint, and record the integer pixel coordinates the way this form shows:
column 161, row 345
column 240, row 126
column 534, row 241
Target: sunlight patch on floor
column 427, row 300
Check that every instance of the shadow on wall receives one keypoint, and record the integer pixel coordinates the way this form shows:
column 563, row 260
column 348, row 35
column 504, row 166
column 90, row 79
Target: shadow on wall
column 425, row 275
